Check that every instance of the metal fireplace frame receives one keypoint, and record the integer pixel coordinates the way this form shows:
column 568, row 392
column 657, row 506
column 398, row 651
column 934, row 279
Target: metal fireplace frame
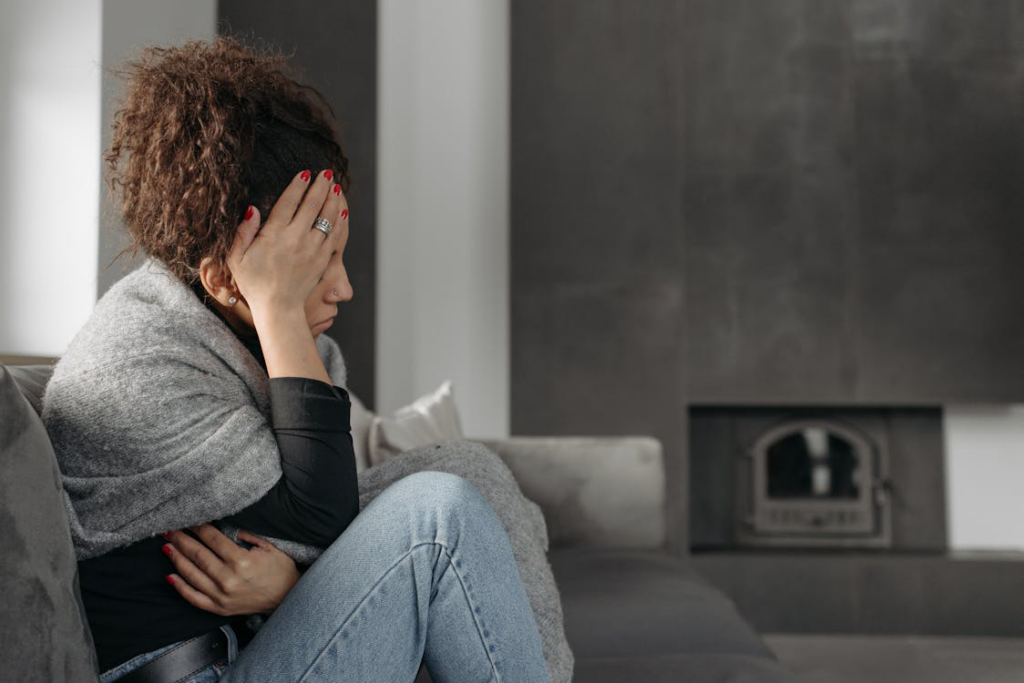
column 864, row 522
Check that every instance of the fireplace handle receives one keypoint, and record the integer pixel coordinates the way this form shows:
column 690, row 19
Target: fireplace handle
column 881, row 489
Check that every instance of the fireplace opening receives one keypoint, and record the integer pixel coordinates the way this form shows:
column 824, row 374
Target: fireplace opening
column 817, row 477
column 813, row 481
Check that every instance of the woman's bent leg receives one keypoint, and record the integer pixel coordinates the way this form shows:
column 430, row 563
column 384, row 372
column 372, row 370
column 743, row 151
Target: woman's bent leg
column 425, row 571
column 523, row 520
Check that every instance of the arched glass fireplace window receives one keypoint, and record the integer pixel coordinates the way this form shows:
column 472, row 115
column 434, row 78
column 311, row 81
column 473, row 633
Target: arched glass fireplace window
column 813, row 480
column 812, row 462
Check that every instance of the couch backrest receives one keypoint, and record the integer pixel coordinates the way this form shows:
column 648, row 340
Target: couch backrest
column 31, row 380
column 43, row 629
column 594, row 491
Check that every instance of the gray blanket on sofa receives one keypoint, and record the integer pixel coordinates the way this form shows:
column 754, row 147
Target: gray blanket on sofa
column 160, row 419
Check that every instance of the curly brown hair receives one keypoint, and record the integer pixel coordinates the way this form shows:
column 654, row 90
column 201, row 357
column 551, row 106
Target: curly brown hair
column 205, row 129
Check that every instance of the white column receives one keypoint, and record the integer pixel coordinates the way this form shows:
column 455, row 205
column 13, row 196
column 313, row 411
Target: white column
column 442, row 271
column 49, row 146
column 984, row 474
column 58, row 232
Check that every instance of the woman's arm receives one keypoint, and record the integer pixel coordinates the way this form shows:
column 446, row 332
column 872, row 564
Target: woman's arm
column 313, row 502
column 317, row 496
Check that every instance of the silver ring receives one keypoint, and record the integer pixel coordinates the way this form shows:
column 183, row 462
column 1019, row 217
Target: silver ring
column 323, row 225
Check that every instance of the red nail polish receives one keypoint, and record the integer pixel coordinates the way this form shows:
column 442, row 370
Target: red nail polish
column 166, row 549
column 170, row 579
column 305, row 176
column 337, row 189
column 248, row 213
column 344, row 214
column 328, row 174
column 167, row 535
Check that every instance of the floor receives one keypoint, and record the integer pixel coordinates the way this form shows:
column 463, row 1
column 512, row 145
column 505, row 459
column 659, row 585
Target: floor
column 899, row 659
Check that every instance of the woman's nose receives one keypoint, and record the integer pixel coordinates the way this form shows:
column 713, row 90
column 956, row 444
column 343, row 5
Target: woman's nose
column 342, row 290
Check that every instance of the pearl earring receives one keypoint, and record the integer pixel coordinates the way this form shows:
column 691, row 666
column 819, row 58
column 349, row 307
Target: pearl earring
column 232, row 300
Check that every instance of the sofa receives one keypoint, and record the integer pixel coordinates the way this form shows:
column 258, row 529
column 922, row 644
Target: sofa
column 633, row 612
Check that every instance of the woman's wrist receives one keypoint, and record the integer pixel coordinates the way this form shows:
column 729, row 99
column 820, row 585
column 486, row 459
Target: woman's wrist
column 271, row 314
column 289, row 348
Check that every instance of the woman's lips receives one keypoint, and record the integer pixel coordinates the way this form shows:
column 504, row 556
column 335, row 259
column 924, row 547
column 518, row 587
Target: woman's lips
column 325, row 324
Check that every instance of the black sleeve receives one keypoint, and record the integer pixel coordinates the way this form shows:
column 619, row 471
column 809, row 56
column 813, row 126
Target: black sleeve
column 317, row 496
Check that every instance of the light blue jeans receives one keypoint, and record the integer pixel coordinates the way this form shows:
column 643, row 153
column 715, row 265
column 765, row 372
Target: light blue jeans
column 425, row 572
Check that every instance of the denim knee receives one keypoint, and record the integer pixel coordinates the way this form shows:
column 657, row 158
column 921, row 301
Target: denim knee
column 446, row 492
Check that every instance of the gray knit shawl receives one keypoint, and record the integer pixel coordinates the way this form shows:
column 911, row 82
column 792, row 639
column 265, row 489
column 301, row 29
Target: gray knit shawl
column 160, row 417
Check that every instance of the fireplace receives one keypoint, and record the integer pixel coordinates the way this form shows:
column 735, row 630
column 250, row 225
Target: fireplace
column 817, row 477
column 813, row 482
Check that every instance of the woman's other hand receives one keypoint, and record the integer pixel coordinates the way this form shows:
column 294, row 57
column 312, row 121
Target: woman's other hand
column 220, row 576
column 278, row 271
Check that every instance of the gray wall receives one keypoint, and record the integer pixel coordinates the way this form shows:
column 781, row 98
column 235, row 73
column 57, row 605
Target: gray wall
column 796, row 201
column 335, row 47
column 598, row 294
column 128, row 27
column 853, row 203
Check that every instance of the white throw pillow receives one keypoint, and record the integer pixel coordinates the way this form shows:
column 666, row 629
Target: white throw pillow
column 360, row 421
column 427, row 420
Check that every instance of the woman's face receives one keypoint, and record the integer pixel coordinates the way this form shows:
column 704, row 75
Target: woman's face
column 321, row 306
column 333, row 288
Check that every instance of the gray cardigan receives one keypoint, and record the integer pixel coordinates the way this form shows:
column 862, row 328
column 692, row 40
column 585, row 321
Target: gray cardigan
column 160, row 419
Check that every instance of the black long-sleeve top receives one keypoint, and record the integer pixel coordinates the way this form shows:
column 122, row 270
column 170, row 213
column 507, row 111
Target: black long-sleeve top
column 131, row 607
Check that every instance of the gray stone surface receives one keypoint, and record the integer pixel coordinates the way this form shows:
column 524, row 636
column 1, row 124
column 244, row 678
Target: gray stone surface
column 762, row 203
column 598, row 298
column 851, row 229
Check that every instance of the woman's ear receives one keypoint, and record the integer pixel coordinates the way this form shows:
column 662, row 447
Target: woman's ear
column 217, row 280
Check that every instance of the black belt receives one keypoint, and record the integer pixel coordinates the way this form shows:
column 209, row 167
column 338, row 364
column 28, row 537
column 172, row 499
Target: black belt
column 184, row 660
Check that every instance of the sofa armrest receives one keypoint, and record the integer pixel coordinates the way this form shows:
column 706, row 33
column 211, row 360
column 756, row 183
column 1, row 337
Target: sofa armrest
column 31, row 380
column 599, row 492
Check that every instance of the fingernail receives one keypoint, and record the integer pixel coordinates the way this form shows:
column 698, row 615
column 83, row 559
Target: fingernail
column 249, row 212
column 167, row 549
column 328, row 174
column 305, row 176
column 337, row 189
column 170, row 579
column 344, row 214
column 167, row 535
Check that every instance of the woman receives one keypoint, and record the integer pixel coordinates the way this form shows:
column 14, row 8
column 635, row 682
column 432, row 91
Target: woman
column 201, row 412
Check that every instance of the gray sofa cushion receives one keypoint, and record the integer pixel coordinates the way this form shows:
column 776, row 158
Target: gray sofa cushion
column 595, row 492
column 635, row 604
column 32, row 381
column 44, row 631
column 692, row 668
column 642, row 615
